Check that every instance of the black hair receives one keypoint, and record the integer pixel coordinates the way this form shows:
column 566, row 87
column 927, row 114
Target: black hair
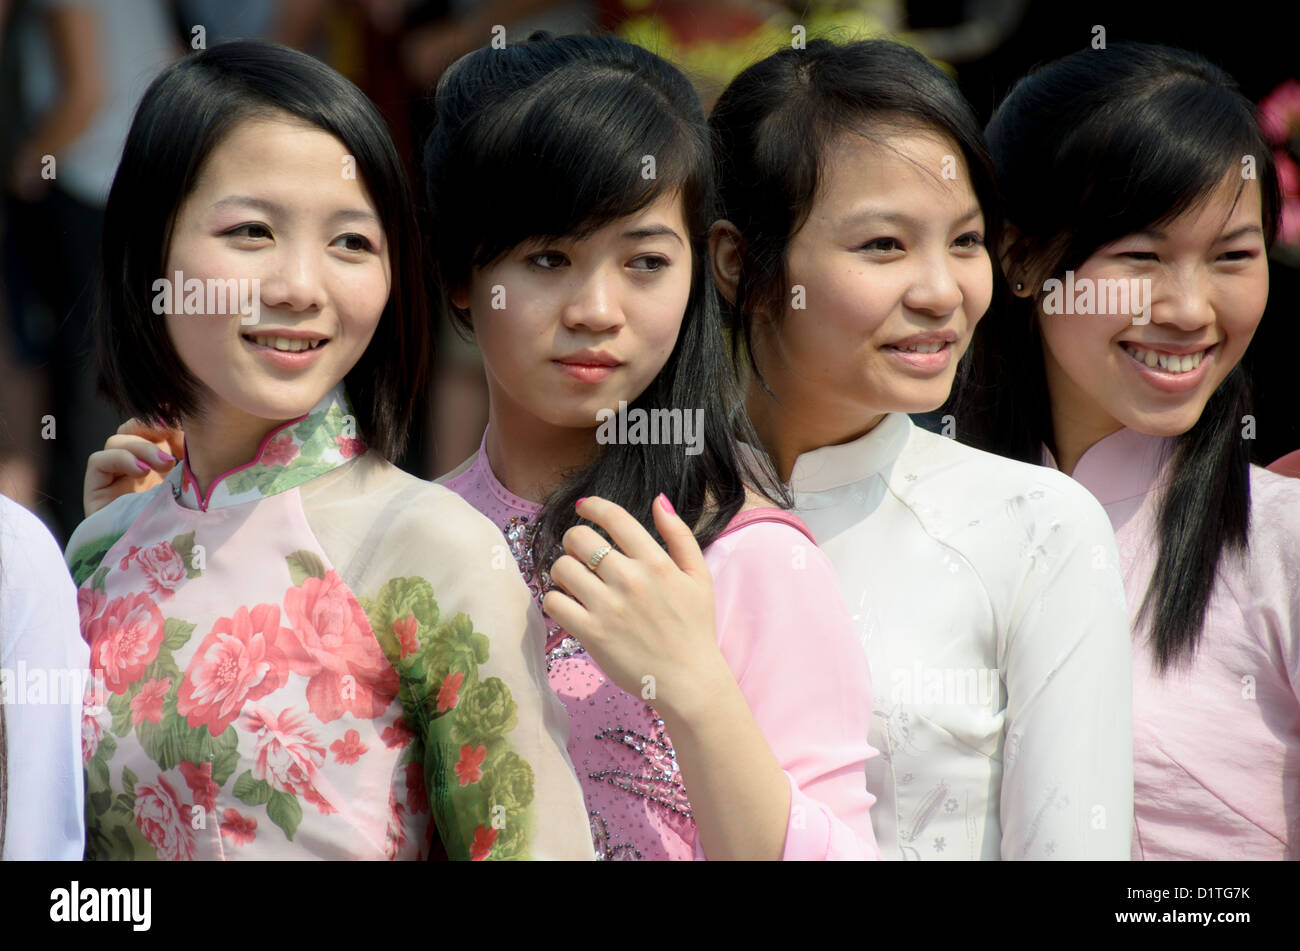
column 1088, row 149
column 546, row 139
column 184, row 114
column 774, row 125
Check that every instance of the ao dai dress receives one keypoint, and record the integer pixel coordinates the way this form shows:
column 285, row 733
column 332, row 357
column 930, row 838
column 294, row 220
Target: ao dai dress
column 1216, row 743
column 785, row 634
column 987, row 596
column 316, row 659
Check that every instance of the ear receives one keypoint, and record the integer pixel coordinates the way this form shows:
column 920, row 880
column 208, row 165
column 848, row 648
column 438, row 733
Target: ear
column 460, row 297
column 1015, row 274
column 725, row 246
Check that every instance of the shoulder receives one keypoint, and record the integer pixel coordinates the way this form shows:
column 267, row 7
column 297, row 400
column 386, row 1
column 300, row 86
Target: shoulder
column 93, row 538
column 1275, row 522
column 942, row 475
column 762, row 548
column 29, row 555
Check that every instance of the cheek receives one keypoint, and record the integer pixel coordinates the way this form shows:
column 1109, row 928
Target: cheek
column 1079, row 344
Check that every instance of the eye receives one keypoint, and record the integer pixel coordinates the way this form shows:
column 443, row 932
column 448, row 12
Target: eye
column 253, row 230
column 1238, row 255
column 652, row 263
column 355, row 242
column 971, row 239
column 882, row 245
column 1139, row 255
column 548, row 260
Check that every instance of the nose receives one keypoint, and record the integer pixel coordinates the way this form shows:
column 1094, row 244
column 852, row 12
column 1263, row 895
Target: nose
column 1182, row 300
column 934, row 289
column 594, row 303
column 294, row 281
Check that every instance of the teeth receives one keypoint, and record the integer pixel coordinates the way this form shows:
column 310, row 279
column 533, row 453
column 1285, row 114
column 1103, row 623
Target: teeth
column 287, row 345
column 1172, row 363
column 923, row 347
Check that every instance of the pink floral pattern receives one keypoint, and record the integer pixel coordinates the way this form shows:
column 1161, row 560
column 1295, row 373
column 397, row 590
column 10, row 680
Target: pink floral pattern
column 164, row 569
column 124, row 640
column 349, row 446
column 405, row 629
column 239, row 829
column 147, row 704
column 163, row 821
column 349, row 749
column 202, row 788
column 287, row 753
column 92, row 731
column 242, row 658
column 449, row 692
column 280, row 451
column 471, row 758
column 335, row 647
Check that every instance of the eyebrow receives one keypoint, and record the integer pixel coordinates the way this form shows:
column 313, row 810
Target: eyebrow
column 653, row 231
column 892, row 217
column 1156, row 234
column 274, row 208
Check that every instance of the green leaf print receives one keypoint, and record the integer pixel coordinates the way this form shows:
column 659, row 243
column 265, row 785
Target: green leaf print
column 400, row 598
column 486, row 712
column 226, row 755
column 184, row 545
column 83, row 562
column 176, row 633
column 304, row 565
column 254, row 792
column 285, row 811
column 128, row 782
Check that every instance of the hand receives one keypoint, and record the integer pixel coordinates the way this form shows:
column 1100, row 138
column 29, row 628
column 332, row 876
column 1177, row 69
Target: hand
column 645, row 615
column 134, row 460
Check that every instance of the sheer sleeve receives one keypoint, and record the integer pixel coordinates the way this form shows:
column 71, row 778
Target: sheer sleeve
column 787, row 636
column 42, row 651
column 455, row 619
column 1067, row 787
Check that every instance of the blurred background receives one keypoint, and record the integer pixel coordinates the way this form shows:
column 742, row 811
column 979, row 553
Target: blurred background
column 72, row 71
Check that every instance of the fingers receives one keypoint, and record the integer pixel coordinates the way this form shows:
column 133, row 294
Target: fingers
column 111, row 473
column 568, row 613
column 683, row 549
column 579, row 581
column 628, row 534
column 171, row 440
column 150, row 453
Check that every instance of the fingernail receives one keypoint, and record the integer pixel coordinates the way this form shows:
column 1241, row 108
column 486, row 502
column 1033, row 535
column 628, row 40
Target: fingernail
column 580, row 501
column 668, row 505
column 165, row 456
column 143, row 466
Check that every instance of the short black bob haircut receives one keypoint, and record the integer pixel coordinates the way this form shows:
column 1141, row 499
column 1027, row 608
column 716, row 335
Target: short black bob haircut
column 1092, row 147
column 184, row 114
column 774, row 125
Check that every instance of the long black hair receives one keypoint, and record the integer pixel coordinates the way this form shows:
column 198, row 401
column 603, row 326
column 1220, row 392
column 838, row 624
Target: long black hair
column 773, row 127
column 546, row 139
column 184, row 114
column 1088, row 149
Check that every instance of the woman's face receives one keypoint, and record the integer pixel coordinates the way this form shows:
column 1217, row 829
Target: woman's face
column 568, row 327
column 277, row 204
column 889, row 275
column 1207, row 276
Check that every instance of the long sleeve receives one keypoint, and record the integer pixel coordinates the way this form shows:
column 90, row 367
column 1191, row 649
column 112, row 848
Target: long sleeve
column 44, row 654
column 1067, row 786
column 786, row 634
column 467, row 642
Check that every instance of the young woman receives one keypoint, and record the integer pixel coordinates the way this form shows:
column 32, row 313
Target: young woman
column 307, row 653
column 42, row 677
column 857, row 198
column 1163, row 188
column 719, row 704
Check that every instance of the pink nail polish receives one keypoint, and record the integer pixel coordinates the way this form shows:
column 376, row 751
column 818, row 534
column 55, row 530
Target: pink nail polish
column 668, row 505
column 165, row 456
column 143, row 466
column 580, row 501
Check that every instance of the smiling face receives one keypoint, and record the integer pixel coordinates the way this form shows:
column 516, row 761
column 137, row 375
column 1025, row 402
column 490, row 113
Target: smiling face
column 571, row 327
column 1208, row 276
column 895, row 275
column 272, row 204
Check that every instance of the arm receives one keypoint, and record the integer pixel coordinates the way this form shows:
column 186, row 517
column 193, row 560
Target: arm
column 1067, row 782
column 39, row 629
column 466, row 638
column 648, row 614
column 787, row 635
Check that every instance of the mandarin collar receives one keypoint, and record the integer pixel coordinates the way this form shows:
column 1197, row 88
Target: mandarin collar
column 1125, row 465
column 828, row 467
column 292, row 453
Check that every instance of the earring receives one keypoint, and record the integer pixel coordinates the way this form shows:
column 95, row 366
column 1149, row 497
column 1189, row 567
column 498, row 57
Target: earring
column 1019, row 286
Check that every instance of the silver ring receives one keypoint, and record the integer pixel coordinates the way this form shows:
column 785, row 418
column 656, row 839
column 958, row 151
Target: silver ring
column 597, row 556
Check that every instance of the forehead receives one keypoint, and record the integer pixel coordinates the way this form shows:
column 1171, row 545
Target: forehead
column 919, row 161
column 1236, row 200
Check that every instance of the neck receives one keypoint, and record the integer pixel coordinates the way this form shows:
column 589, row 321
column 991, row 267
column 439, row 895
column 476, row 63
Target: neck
column 1076, row 425
column 215, row 445
column 531, row 457
column 796, row 424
